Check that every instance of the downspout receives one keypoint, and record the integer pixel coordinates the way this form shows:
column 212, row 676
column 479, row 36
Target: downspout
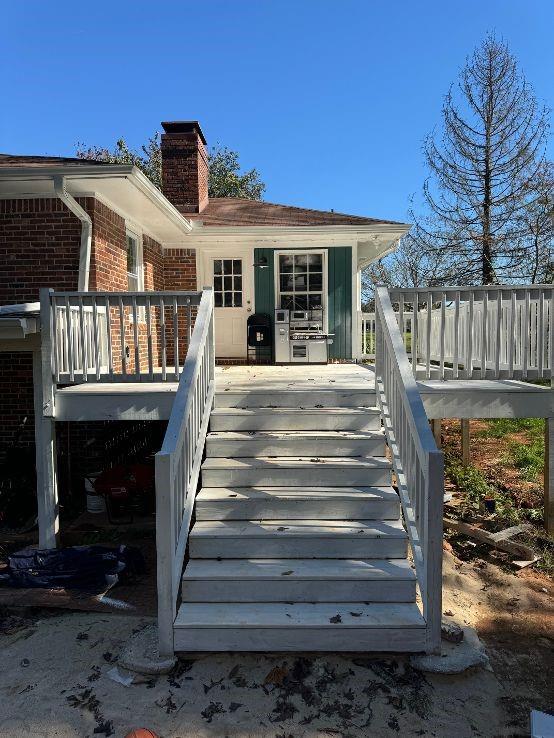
column 86, row 230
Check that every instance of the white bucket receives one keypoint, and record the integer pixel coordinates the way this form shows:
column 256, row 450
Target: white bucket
column 95, row 503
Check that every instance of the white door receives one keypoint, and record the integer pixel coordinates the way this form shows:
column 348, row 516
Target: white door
column 230, row 277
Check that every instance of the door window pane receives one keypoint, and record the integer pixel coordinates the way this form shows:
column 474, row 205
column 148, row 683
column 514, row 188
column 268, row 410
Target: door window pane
column 227, row 288
column 301, row 281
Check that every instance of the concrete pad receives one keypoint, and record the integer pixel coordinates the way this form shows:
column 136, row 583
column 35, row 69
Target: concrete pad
column 141, row 653
column 455, row 657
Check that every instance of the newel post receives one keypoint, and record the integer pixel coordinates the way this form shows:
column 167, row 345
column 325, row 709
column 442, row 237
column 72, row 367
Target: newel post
column 45, row 428
column 432, row 604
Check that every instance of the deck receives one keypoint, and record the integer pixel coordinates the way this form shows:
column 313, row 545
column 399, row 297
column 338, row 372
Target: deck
column 471, row 398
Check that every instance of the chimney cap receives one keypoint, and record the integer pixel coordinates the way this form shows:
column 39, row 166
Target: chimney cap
column 183, row 126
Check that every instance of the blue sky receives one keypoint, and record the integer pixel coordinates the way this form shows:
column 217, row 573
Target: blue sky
column 329, row 99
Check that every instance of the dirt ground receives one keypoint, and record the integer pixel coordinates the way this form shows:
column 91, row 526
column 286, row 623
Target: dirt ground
column 55, row 682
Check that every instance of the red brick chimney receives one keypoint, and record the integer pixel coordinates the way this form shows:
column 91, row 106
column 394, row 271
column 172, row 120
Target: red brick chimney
column 185, row 166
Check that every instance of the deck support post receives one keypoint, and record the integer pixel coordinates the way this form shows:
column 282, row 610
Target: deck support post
column 466, row 456
column 436, row 428
column 549, row 475
column 45, row 445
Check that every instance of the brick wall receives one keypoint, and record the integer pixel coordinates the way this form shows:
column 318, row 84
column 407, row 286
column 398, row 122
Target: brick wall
column 39, row 247
column 16, row 400
column 180, row 274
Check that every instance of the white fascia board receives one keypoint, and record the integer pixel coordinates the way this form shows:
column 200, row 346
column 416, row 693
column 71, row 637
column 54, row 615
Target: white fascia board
column 335, row 234
column 98, row 173
column 17, row 328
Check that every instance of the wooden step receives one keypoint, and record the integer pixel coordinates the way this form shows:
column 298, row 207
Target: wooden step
column 278, row 471
column 298, row 580
column 290, row 503
column 293, row 443
column 300, row 398
column 295, row 419
column 299, row 627
column 269, row 539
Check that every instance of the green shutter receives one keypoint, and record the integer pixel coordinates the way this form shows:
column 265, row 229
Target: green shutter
column 339, row 303
column 264, row 283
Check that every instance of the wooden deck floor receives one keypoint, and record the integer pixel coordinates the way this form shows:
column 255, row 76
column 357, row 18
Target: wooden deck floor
column 442, row 399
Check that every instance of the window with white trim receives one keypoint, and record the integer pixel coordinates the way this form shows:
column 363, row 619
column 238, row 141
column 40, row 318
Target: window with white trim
column 134, row 263
column 301, row 281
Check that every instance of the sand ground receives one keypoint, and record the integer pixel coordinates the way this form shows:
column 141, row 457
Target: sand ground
column 54, row 679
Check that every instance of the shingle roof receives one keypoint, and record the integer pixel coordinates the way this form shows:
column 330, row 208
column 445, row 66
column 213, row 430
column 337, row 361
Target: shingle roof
column 224, row 211
column 234, row 211
column 11, row 160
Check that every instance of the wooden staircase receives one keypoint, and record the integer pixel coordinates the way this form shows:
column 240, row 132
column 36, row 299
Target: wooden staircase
column 298, row 543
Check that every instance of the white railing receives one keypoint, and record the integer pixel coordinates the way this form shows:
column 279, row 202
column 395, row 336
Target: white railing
column 119, row 336
column 479, row 332
column 417, row 462
column 178, row 465
column 367, row 329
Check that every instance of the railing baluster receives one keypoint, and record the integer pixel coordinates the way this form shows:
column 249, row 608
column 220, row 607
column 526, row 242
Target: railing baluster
column 415, row 333
column 96, row 339
column 484, row 335
column 122, row 337
column 442, row 330
column 498, row 337
column 525, row 335
column 455, row 361
column 540, row 335
column 82, row 336
column 148, row 314
column 176, row 338
column 135, row 335
column 428, row 336
column 164, row 339
column 109, row 338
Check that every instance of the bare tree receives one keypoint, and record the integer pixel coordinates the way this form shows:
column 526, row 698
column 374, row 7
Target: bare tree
column 483, row 164
column 537, row 228
column 410, row 265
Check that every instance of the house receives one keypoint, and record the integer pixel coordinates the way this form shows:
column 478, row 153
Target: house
column 278, row 527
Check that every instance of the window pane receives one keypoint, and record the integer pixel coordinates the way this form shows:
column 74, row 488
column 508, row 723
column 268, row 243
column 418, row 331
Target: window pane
column 227, row 283
column 131, row 255
column 237, row 283
column 300, row 302
column 217, row 266
column 218, row 283
column 227, row 299
column 218, row 301
column 300, row 282
column 285, row 265
column 237, row 266
column 316, row 282
column 287, row 283
column 314, row 302
column 238, row 299
column 316, row 262
column 227, row 266
column 300, row 262
column 287, row 302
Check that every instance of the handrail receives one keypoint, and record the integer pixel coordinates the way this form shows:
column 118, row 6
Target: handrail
column 178, row 465
column 417, row 462
column 120, row 336
column 482, row 332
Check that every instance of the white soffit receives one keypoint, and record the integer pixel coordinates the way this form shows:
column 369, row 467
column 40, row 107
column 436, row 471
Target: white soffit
column 124, row 188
